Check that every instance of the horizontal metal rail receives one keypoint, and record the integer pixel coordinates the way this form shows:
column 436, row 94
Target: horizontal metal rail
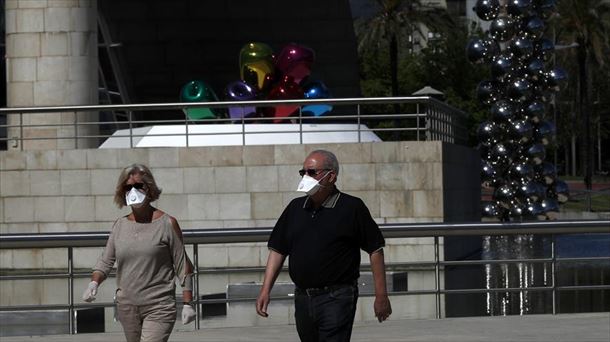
column 240, row 235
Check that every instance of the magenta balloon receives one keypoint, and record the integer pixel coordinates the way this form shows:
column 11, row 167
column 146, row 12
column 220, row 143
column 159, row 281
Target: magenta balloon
column 295, row 60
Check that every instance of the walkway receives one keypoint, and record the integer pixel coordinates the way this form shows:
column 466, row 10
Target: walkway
column 591, row 327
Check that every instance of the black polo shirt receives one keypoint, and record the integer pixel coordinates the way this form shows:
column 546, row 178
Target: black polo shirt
column 324, row 245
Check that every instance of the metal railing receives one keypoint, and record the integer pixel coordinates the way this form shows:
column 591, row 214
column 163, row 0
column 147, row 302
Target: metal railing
column 212, row 236
column 420, row 118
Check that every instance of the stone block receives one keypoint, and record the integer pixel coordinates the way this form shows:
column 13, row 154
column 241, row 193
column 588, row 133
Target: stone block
column 27, row 258
column 235, row 206
column 53, row 227
column 103, row 159
column 22, row 70
column 258, row 155
column 12, row 160
column 23, row 45
column 199, row 180
column 203, row 207
column 72, row 159
column 79, row 208
column 48, row 209
column 10, row 20
column 428, row 203
column 242, row 256
column 266, row 205
column 14, row 183
column 54, row 68
column 287, row 197
column 262, row 179
column 54, row 44
column 213, row 256
column 171, row 180
column 50, row 93
column 96, row 226
column 106, row 209
column 421, row 151
column 64, row 3
column 27, row 292
column 53, row 291
column 396, row 203
column 213, row 283
column 19, row 94
column 22, row 228
column 75, row 182
column 1, row 214
column 104, row 181
column 357, row 177
column 79, row 68
column 422, row 176
column 40, row 138
column 45, row 183
column 18, row 209
column 385, row 152
column 163, row 157
column 31, row 4
column 230, row 179
column 288, row 177
column 371, row 199
column 128, row 156
column 55, row 258
column 346, row 153
column 41, row 160
column 6, row 259
column 30, row 20
column 289, row 154
column 229, row 224
column 175, row 205
column 81, row 18
column 211, row 156
column 389, row 176
column 81, row 93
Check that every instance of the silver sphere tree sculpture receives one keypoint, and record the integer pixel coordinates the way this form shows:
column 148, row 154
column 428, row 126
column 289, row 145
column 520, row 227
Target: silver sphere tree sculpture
column 514, row 139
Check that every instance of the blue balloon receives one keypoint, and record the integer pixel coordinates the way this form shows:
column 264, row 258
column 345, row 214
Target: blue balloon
column 316, row 90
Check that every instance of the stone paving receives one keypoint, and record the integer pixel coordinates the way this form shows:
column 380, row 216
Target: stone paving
column 590, row 327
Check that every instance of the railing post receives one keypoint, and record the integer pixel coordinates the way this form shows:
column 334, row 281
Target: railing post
column 300, row 125
column 437, row 278
column 358, row 118
column 21, row 131
column 196, row 284
column 243, row 128
column 553, row 273
column 186, row 127
column 71, row 312
column 130, row 130
column 76, row 130
column 417, row 118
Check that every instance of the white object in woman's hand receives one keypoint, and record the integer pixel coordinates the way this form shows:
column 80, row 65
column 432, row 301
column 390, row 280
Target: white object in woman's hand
column 90, row 292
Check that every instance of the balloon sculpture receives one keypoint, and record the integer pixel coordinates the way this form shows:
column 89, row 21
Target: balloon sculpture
column 514, row 138
column 198, row 91
column 265, row 76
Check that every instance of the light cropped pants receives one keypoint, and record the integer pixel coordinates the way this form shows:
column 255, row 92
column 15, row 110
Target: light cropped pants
column 147, row 323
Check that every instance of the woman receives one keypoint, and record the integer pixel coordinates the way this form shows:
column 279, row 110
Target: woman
column 147, row 247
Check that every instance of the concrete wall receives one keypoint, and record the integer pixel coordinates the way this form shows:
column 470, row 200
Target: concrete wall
column 225, row 187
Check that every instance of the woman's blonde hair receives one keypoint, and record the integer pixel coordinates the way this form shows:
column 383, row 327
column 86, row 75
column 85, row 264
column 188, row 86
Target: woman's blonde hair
column 152, row 190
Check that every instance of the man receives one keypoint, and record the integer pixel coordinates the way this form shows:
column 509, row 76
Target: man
column 323, row 233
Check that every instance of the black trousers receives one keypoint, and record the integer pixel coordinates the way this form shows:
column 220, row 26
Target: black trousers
column 326, row 316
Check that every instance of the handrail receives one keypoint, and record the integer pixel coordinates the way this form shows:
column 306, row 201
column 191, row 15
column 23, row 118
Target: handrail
column 234, row 235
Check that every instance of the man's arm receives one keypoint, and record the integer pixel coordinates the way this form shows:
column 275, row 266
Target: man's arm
column 382, row 306
column 274, row 265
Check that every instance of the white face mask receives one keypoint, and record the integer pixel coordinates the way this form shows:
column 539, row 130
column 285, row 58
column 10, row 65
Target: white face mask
column 135, row 198
column 310, row 185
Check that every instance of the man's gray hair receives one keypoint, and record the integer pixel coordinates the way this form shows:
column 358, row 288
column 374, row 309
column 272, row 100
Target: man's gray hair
column 330, row 160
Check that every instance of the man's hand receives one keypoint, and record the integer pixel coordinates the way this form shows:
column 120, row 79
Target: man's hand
column 261, row 304
column 382, row 307
column 188, row 314
column 90, row 292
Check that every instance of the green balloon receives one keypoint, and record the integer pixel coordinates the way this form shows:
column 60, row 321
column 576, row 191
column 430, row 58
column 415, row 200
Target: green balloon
column 198, row 91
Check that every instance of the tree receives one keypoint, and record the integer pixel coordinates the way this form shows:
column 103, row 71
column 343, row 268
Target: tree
column 587, row 23
column 397, row 21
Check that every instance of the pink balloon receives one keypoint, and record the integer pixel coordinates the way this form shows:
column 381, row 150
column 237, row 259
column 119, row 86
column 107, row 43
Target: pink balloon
column 295, row 60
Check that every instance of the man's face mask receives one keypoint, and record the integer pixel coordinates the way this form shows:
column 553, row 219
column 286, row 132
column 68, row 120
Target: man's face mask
column 310, row 185
column 135, row 197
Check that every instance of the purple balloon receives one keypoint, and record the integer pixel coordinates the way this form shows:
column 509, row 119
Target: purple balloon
column 240, row 91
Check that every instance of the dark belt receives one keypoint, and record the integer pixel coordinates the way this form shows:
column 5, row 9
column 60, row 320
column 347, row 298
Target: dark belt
column 316, row 291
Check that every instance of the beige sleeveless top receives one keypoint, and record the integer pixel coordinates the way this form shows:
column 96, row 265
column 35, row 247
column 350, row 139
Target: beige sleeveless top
column 148, row 257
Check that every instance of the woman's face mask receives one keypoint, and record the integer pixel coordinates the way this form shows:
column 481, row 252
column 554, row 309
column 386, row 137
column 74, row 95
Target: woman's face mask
column 135, row 198
column 310, row 185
